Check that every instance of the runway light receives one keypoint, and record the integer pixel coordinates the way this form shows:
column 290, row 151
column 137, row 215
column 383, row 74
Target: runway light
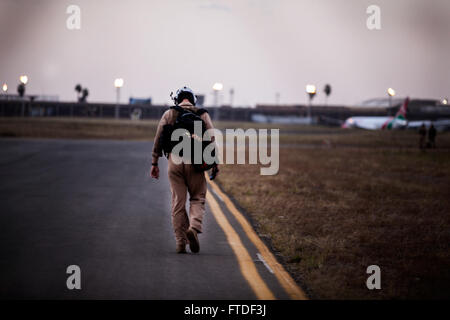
column 445, row 101
column 391, row 92
column 23, row 79
column 5, row 87
column 311, row 89
column 118, row 83
column 218, row 86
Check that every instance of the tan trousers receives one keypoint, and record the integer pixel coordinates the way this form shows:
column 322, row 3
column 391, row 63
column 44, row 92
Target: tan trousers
column 183, row 179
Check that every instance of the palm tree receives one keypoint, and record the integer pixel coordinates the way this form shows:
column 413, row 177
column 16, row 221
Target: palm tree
column 21, row 89
column 78, row 89
column 84, row 95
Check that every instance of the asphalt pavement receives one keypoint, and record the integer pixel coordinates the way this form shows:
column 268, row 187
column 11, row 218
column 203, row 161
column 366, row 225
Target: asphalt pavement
column 91, row 203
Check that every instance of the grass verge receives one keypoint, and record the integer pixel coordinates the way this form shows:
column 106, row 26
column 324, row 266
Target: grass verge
column 77, row 128
column 368, row 198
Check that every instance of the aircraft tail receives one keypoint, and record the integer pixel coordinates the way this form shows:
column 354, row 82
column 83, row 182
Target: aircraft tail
column 401, row 114
column 400, row 117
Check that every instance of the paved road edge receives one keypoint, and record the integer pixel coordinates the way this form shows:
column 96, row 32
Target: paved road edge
column 283, row 277
column 246, row 264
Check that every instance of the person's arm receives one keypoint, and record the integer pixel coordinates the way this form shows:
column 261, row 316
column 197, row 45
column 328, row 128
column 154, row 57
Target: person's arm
column 157, row 148
column 209, row 125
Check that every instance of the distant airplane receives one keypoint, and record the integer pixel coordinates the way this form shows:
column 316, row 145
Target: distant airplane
column 399, row 121
column 380, row 123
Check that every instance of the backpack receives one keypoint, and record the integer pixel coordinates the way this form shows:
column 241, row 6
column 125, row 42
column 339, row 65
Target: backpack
column 185, row 120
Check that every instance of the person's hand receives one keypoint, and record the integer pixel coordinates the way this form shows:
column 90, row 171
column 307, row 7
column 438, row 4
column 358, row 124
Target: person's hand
column 154, row 172
column 214, row 172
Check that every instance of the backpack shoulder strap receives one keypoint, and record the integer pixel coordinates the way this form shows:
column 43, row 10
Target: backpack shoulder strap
column 201, row 111
column 177, row 108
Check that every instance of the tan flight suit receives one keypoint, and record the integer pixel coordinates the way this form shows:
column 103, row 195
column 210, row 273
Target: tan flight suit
column 183, row 179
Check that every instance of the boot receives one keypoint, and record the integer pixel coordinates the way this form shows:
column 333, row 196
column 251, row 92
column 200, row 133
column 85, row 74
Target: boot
column 194, row 245
column 181, row 248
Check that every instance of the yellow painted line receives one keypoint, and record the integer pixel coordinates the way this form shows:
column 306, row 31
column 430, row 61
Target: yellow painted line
column 246, row 264
column 285, row 279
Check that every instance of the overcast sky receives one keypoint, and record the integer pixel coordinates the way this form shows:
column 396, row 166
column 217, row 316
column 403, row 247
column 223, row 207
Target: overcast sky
column 257, row 47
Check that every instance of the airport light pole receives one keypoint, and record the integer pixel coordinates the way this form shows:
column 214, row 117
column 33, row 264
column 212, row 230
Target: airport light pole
column 311, row 91
column 327, row 91
column 23, row 79
column 21, row 90
column 118, row 83
column 231, row 96
column 391, row 93
column 217, row 87
column 5, row 91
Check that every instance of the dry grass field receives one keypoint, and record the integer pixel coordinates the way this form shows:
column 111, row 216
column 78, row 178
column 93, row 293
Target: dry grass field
column 342, row 200
column 77, row 128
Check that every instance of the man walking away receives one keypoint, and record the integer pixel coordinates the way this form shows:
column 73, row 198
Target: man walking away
column 183, row 177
